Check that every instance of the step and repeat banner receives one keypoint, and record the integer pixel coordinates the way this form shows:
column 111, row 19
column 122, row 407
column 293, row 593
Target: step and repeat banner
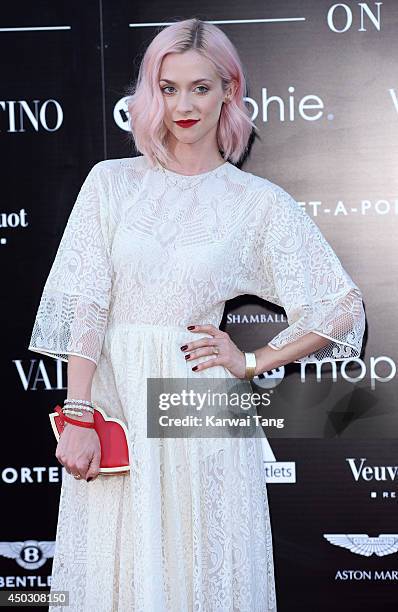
column 323, row 93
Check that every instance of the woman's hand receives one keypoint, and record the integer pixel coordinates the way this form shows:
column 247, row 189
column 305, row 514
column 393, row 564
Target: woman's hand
column 79, row 451
column 228, row 354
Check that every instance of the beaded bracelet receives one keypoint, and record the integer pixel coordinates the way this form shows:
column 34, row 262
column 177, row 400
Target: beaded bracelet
column 80, row 402
column 73, row 407
column 76, row 406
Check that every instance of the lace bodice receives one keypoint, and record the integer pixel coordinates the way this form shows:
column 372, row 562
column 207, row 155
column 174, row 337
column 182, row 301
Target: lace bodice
column 149, row 245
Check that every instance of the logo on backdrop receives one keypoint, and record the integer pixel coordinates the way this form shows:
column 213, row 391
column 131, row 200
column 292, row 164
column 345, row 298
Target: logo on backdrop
column 380, row 478
column 341, row 17
column 378, row 473
column 30, row 554
column 362, row 544
column 36, row 474
column 366, row 546
column 120, row 114
column 32, row 116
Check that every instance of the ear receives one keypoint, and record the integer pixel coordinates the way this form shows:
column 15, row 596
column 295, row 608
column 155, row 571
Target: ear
column 230, row 91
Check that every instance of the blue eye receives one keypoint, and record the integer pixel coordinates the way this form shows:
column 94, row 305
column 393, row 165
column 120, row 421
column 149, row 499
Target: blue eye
column 204, row 86
column 198, row 87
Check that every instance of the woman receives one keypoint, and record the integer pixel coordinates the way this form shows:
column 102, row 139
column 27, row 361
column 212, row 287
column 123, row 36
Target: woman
column 154, row 245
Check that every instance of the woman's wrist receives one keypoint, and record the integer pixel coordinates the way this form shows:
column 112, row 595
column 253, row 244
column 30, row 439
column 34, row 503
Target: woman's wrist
column 86, row 417
column 79, row 408
column 265, row 359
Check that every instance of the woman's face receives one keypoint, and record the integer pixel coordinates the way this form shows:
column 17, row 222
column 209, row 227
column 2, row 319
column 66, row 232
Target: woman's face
column 191, row 89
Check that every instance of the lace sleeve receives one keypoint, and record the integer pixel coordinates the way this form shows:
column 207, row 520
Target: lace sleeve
column 73, row 310
column 307, row 279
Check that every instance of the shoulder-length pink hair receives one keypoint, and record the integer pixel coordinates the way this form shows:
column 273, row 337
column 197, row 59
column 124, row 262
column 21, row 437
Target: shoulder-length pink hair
column 146, row 105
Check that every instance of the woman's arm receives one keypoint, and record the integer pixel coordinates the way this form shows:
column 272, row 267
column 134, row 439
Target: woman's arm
column 268, row 358
column 296, row 268
column 80, row 377
column 73, row 312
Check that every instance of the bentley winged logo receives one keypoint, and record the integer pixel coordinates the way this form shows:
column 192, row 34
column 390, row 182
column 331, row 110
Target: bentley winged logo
column 362, row 544
column 30, row 554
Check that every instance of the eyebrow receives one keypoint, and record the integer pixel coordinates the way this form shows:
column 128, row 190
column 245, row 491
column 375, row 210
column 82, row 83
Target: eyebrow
column 192, row 82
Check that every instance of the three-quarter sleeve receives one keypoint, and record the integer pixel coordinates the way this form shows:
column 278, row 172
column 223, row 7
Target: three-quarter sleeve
column 304, row 276
column 72, row 315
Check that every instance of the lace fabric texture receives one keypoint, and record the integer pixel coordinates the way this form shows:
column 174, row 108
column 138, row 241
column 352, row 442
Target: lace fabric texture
column 196, row 242
column 146, row 252
column 73, row 309
column 189, row 529
column 303, row 275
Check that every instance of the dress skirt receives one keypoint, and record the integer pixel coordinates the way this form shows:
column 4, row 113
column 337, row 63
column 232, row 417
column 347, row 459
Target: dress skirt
column 188, row 528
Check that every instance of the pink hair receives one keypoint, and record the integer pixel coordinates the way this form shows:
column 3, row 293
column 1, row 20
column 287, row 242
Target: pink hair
column 146, row 105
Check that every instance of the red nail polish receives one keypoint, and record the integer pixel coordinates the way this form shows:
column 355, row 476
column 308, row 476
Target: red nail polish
column 191, row 327
column 195, row 367
column 184, row 347
column 186, row 356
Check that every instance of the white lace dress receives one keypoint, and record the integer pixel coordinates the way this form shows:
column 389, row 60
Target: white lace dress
column 147, row 252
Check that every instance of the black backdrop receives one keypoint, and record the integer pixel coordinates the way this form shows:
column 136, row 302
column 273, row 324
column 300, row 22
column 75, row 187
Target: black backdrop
column 63, row 108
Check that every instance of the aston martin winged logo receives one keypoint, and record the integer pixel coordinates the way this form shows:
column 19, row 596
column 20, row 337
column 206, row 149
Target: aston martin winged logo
column 362, row 544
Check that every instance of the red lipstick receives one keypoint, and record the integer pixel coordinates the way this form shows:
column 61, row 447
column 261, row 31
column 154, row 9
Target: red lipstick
column 186, row 123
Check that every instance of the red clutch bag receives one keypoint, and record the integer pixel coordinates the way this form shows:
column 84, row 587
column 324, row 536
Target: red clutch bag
column 112, row 435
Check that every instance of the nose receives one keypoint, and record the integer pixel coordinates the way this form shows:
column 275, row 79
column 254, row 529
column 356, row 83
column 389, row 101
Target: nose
column 184, row 103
